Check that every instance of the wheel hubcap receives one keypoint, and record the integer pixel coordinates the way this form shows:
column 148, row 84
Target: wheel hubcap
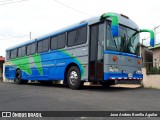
column 73, row 77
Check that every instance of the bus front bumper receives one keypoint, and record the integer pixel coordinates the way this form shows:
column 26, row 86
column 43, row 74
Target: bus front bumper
column 121, row 78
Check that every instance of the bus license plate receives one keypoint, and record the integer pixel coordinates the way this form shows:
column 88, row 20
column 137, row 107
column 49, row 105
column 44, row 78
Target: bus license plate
column 130, row 75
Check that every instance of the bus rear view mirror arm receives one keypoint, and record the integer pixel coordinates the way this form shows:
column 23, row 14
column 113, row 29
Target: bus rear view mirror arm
column 114, row 27
column 151, row 36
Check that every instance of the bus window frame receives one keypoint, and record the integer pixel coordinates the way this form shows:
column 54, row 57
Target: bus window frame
column 48, row 39
column 86, row 26
column 30, row 49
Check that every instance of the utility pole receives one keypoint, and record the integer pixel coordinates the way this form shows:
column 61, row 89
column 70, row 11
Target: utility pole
column 30, row 35
column 143, row 40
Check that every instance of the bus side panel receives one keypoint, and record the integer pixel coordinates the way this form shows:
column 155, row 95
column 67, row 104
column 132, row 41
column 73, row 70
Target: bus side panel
column 10, row 72
column 62, row 59
column 79, row 55
column 50, row 65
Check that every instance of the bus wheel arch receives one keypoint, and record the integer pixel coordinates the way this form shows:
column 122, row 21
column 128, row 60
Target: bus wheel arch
column 68, row 69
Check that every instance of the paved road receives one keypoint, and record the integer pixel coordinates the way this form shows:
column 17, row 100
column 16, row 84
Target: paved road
column 36, row 97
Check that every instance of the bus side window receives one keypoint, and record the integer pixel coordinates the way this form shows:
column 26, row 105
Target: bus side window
column 77, row 36
column 19, row 52
column 40, row 49
column 13, row 53
column 28, row 49
column 43, row 45
column 54, row 42
column 8, row 55
column 61, row 40
column 31, row 49
column 23, row 51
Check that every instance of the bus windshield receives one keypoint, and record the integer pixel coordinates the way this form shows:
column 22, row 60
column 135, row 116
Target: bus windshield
column 125, row 42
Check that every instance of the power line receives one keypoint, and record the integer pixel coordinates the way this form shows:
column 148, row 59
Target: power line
column 149, row 37
column 6, row 0
column 72, row 8
column 154, row 30
column 6, row 3
column 7, row 35
column 15, row 37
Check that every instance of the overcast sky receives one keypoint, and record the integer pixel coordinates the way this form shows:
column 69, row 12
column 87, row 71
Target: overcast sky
column 44, row 16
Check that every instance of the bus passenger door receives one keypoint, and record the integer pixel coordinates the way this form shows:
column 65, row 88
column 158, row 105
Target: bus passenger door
column 96, row 52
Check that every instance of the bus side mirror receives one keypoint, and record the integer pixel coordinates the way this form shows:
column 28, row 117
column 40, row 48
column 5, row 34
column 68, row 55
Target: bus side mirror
column 114, row 27
column 151, row 36
column 152, row 42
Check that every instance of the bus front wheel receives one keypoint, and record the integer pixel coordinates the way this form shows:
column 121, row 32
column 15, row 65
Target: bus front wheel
column 74, row 78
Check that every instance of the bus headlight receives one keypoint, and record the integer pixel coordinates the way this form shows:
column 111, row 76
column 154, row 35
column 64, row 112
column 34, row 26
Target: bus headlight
column 123, row 71
column 111, row 69
column 139, row 71
column 116, row 69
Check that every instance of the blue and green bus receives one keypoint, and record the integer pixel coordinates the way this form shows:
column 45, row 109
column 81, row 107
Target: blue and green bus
column 103, row 49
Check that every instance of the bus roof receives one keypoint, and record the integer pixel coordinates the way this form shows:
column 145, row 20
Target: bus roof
column 122, row 20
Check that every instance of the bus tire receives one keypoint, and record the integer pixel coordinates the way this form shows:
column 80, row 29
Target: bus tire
column 24, row 81
column 18, row 77
column 74, row 78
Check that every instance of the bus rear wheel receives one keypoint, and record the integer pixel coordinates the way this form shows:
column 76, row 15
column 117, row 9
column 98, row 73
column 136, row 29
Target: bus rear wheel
column 74, row 78
column 18, row 78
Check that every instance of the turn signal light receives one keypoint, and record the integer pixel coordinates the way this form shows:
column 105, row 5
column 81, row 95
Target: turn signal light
column 114, row 58
column 139, row 62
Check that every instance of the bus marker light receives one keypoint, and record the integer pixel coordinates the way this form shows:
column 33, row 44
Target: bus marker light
column 123, row 71
column 84, row 65
column 124, row 16
column 139, row 62
column 114, row 58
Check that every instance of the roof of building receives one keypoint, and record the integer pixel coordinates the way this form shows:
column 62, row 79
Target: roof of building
column 155, row 46
column 2, row 58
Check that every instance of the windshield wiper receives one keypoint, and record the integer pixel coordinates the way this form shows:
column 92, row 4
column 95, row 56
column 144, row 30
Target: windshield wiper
column 115, row 43
column 129, row 43
column 137, row 47
column 123, row 43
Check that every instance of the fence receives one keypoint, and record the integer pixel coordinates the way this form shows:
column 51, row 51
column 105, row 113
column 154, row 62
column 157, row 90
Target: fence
column 152, row 67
